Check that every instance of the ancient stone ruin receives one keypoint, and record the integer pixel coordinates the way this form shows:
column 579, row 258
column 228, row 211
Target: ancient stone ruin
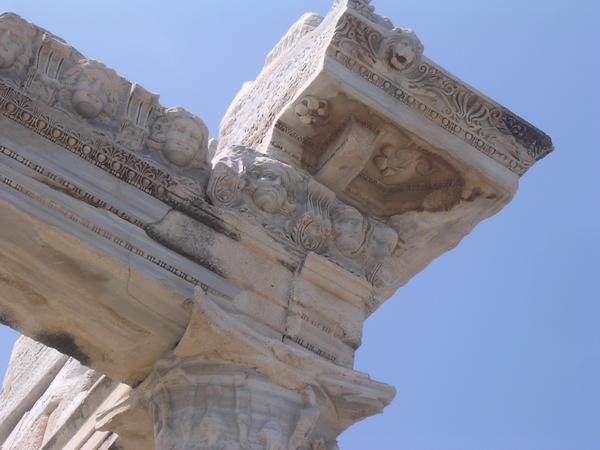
column 211, row 294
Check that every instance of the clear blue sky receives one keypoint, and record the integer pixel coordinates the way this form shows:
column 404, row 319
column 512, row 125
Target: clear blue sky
column 496, row 345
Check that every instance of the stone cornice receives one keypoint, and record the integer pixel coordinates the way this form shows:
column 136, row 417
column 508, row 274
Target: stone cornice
column 362, row 42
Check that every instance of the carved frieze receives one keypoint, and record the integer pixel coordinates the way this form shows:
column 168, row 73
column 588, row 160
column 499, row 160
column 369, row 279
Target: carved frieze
column 366, row 10
column 91, row 90
column 392, row 60
column 401, row 50
column 43, row 78
column 47, row 70
column 140, row 110
column 16, row 38
column 346, row 194
column 300, row 212
column 181, row 138
column 404, row 175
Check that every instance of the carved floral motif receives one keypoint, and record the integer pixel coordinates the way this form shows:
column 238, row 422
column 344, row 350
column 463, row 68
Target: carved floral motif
column 311, row 110
column 392, row 61
column 392, row 161
column 365, row 9
column 357, row 39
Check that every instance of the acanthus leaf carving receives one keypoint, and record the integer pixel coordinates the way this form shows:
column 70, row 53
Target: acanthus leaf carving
column 365, row 9
column 271, row 435
column 299, row 211
column 392, row 60
column 306, row 422
column 357, row 39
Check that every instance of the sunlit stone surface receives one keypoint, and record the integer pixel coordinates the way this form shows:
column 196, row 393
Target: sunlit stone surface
column 212, row 296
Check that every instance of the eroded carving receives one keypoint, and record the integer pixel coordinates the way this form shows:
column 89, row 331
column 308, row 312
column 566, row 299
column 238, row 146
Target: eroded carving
column 295, row 209
column 381, row 271
column 313, row 227
column 392, row 161
column 181, row 138
column 141, row 105
column 305, row 25
column 401, row 50
column 322, row 444
column 306, row 422
column 365, row 9
column 358, row 39
column 349, row 229
column 212, row 427
column 91, row 90
column 95, row 98
column 312, row 110
column 217, row 377
column 271, row 436
column 16, row 39
column 51, row 60
column 273, row 186
column 209, row 392
column 391, row 60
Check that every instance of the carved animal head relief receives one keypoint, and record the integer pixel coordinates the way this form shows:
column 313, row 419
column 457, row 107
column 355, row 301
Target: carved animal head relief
column 16, row 39
column 91, row 89
column 401, row 50
column 181, row 138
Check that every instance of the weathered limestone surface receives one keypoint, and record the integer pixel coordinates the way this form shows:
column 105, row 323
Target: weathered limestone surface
column 47, row 398
column 215, row 293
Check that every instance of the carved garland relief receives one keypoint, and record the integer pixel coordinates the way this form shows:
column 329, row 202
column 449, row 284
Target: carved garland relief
column 298, row 211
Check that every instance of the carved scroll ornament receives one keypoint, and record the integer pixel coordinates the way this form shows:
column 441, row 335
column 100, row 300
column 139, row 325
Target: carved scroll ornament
column 393, row 61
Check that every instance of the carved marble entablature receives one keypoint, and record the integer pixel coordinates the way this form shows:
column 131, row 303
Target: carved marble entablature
column 91, row 90
column 97, row 100
column 181, row 138
column 393, row 62
column 16, row 46
column 366, row 10
column 374, row 165
column 301, row 212
column 356, row 56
